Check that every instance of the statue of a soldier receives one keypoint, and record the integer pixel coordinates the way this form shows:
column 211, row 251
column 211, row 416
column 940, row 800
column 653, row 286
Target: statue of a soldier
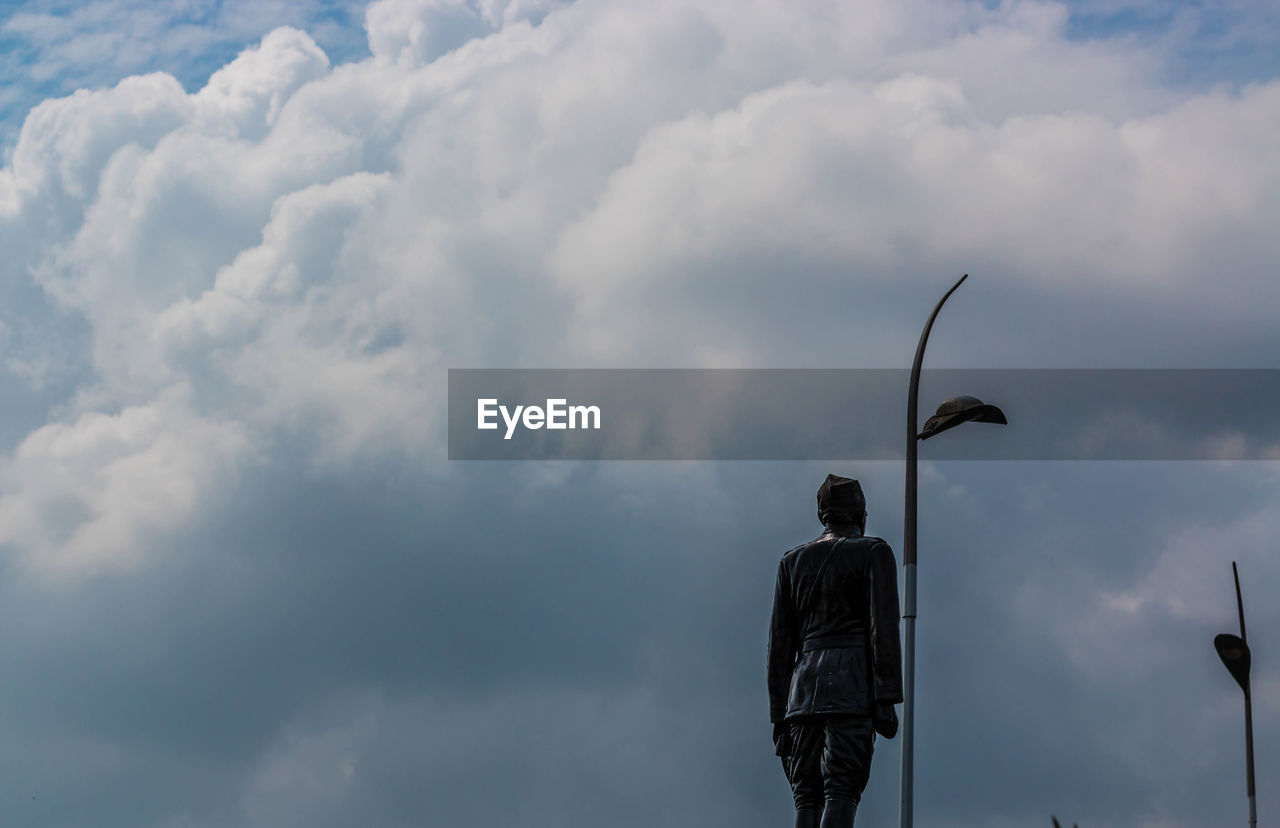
column 835, row 662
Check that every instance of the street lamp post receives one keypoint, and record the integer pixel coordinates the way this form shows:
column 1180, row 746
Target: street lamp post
column 1234, row 652
column 950, row 414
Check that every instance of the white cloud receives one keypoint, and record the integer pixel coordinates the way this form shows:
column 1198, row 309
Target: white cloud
column 247, row 94
column 303, row 248
column 84, row 494
column 413, row 32
column 878, row 177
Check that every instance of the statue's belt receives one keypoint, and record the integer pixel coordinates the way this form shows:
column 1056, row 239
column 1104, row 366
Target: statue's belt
column 826, row 641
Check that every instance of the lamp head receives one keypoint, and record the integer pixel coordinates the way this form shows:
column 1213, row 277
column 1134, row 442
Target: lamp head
column 1234, row 653
column 959, row 410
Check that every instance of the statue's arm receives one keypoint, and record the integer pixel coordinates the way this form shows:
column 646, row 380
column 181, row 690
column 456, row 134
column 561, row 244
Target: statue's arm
column 886, row 646
column 782, row 646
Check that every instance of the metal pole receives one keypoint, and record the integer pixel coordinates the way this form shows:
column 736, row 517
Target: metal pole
column 909, row 576
column 1248, row 713
column 1248, row 758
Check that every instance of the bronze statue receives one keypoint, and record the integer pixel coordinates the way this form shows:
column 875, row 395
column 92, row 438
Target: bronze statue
column 835, row 662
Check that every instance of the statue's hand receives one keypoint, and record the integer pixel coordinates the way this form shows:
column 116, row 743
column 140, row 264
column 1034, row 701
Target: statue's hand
column 886, row 719
column 781, row 739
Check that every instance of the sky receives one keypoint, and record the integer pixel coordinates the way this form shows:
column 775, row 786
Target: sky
column 242, row 585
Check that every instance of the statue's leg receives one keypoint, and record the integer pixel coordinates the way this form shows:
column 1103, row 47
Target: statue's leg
column 804, row 770
column 846, row 766
column 807, row 818
column 838, row 813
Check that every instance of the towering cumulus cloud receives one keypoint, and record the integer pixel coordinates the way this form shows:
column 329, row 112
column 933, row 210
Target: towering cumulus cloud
column 226, row 313
column 301, row 242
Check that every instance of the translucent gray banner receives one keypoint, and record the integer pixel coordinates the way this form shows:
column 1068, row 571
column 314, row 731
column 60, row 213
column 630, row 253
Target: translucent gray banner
column 860, row 414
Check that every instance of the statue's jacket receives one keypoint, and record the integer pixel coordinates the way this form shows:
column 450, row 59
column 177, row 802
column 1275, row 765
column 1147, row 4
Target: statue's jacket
column 833, row 636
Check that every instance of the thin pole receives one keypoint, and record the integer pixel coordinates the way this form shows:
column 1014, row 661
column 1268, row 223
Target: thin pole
column 1248, row 759
column 909, row 576
column 1248, row 712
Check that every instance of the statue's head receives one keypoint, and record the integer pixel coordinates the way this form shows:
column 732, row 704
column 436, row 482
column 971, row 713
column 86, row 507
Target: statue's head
column 840, row 501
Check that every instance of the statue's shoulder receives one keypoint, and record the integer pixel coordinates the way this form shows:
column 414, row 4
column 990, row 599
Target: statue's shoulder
column 870, row 544
column 794, row 552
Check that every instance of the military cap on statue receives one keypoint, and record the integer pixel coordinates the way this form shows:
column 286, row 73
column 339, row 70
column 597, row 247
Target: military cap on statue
column 838, row 492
